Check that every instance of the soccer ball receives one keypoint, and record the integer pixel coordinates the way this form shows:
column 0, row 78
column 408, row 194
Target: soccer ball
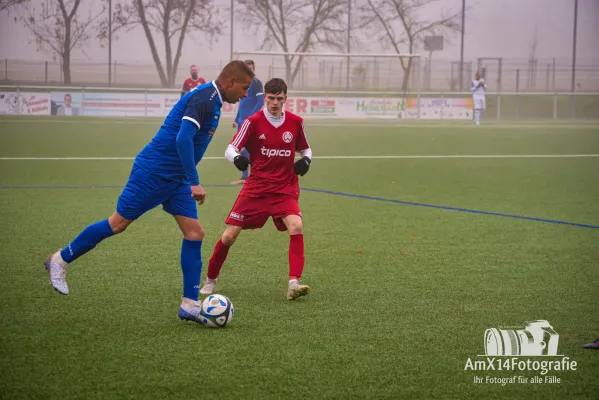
column 217, row 311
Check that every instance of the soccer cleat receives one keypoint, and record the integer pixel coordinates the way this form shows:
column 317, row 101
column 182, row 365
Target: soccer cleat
column 193, row 314
column 296, row 290
column 57, row 270
column 594, row 345
column 209, row 286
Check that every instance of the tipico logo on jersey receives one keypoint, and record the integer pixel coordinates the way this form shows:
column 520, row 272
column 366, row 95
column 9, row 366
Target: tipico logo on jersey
column 510, row 350
column 287, row 137
column 275, row 152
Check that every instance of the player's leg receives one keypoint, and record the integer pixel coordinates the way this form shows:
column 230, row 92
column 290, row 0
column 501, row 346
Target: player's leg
column 135, row 200
column 483, row 107
column 296, row 256
column 287, row 216
column 477, row 111
column 246, row 213
column 184, row 209
column 219, row 256
column 191, row 266
column 57, row 263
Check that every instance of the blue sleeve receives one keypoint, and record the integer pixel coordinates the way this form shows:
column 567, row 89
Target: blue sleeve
column 258, row 92
column 195, row 109
column 185, row 149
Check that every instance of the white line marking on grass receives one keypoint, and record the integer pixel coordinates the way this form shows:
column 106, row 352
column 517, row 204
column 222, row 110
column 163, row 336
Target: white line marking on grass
column 464, row 156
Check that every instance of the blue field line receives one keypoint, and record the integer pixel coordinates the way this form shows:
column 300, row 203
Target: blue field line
column 357, row 196
column 466, row 210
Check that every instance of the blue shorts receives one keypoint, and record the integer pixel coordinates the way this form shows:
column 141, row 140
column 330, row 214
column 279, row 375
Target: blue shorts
column 145, row 191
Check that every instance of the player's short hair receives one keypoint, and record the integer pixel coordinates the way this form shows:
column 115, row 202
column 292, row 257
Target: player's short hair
column 275, row 85
column 68, row 95
column 250, row 62
column 193, row 66
column 237, row 69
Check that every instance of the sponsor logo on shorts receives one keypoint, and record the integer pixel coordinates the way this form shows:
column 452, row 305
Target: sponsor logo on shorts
column 275, row 152
column 236, row 216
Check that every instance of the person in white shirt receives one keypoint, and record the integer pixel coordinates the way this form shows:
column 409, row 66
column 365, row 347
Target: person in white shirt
column 478, row 89
column 67, row 109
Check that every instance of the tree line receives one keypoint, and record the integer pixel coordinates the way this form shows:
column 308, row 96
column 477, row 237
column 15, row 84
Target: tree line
column 291, row 26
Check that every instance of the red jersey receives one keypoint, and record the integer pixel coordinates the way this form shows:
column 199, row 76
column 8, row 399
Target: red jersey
column 190, row 84
column 272, row 152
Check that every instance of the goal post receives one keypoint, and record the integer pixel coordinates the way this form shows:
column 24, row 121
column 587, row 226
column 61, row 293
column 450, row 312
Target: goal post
column 339, row 71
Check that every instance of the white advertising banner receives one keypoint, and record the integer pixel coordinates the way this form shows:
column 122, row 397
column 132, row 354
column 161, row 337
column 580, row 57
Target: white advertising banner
column 25, row 103
column 160, row 104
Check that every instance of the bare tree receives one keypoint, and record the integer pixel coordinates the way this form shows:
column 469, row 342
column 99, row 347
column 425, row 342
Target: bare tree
column 297, row 26
column 172, row 20
column 399, row 25
column 59, row 27
column 5, row 4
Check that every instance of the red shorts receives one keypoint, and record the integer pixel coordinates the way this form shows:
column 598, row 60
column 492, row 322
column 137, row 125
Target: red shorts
column 253, row 212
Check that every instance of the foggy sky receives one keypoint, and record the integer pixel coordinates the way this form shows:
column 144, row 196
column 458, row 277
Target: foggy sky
column 494, row 28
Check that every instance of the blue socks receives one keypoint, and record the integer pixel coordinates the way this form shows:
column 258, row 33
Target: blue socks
column 87, row 240
column 191, row 264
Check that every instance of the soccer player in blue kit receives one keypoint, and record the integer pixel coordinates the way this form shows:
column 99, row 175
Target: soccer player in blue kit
column 249, row 106
column 164, row 172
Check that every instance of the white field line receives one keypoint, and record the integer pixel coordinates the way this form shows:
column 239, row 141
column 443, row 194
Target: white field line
column 465, row 156
column 356, row 123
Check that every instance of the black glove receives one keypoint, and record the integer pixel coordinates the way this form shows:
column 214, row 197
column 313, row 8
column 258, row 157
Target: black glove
column 241, row 162
column 302, row 166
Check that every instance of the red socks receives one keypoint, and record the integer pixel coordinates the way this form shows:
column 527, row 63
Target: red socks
column 218, row 258
column 296, row 256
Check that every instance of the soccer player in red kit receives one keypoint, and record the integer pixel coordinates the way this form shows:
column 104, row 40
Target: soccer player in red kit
column 272, row 136
column 193, row 81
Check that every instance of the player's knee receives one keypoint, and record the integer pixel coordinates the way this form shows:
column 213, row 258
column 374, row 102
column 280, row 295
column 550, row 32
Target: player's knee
column 295, row 227
column 195, row 234
column 229, row 237
column 118, row 224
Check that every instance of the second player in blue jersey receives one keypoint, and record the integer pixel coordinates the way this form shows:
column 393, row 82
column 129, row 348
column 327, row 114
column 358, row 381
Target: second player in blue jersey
column 247, row 107
column 164, row 173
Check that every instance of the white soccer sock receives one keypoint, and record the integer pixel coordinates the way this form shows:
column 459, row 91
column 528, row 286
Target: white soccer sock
column 476, row 116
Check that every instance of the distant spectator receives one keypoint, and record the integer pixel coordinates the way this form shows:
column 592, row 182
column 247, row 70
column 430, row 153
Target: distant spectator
column 193, row 81
column 66, row 109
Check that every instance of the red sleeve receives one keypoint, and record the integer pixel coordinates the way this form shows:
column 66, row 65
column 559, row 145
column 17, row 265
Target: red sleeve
column 302, row 142
column 242, row 135
column 186, row 86
column 202, row 81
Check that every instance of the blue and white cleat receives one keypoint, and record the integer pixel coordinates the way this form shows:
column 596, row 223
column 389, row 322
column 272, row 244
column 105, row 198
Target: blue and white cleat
column 57, row 270
column 193, row 314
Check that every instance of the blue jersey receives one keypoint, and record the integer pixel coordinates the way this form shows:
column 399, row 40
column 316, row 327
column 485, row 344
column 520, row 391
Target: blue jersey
column 181, row 141
column 252, row 103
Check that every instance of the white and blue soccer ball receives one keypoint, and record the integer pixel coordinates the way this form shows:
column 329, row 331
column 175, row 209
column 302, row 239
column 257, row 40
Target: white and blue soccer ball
column 217, row 311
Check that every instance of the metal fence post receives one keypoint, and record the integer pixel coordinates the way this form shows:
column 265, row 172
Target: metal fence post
column 46, row 71
column 83, row 101
column 554, row 106
column 498, row 106
column 517, row 90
